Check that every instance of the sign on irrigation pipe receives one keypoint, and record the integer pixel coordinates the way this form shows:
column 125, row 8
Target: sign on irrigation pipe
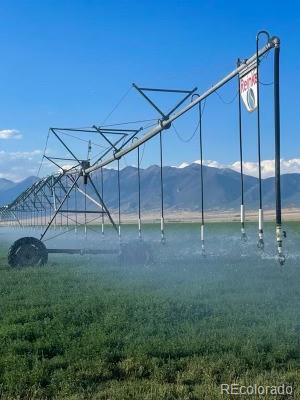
column 248, row 89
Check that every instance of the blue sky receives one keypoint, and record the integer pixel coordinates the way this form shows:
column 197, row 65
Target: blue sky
column 67, row 63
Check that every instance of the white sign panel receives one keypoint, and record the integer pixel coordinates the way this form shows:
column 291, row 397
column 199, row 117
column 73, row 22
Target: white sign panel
column 248, row 88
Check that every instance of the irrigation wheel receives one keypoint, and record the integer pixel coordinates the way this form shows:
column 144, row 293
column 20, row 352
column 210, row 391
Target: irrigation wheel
column 27, row 251
column 136, row 252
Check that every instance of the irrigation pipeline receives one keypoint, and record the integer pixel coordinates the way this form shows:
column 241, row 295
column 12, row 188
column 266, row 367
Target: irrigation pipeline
column 84, row 168
column 273, row 43
column 166, row 123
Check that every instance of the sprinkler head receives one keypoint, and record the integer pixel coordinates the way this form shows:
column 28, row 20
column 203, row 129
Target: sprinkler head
column 244, row 237
column 203, row 253
column 281, row 259
column 261, row 244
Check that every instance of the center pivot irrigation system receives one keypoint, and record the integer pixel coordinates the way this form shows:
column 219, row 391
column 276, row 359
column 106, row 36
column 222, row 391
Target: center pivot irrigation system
column 73, row 198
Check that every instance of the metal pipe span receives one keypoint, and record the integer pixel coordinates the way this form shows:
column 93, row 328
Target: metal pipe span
column 166, row 123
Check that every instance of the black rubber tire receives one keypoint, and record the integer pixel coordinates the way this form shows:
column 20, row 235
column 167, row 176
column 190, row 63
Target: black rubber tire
column 136, row 253
column 27, row 251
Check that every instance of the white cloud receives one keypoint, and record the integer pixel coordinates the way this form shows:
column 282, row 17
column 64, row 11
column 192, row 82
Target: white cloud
column 4, row 155
column 10, row 134
column 183, row 165
column 212, row 163
column 18, row 165
column 20, row 155
column 66, row 167
column 251, row 167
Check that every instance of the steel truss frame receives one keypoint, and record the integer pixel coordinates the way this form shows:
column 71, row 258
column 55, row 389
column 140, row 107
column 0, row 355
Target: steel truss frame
column 42, row 198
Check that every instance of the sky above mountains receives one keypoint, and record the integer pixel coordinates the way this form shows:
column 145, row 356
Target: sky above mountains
column 68, row 63
column 251, row 168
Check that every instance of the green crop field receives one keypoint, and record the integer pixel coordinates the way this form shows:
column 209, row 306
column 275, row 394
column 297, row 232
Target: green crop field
column 83, row 328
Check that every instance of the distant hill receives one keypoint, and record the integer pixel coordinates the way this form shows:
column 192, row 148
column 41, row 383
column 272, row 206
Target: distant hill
column 10, row 190
column 6, row 184
column 181, row 189
column 222, row 189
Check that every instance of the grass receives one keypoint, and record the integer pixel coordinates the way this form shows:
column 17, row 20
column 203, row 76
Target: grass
column 91, row 329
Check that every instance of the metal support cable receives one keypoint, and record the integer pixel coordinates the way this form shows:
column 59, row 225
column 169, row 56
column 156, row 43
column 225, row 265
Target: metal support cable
column 197, row 126
column 201, row 164
column 101, row 202
column 65, row 146
column 260, row 242
column 44, row 152
column 60, row 199
column 129, row 122
column 143, row 152
column 67, row 202
column 75, row 201
column 200, row 114
column 243, row 233
column 280, row 234
column 85, row 214
column 59, row 207
column 139, row 194
column 57, row 235
column 201, row 177
column 119, row 201
column 117, row 105
column 226, row 101
column 80, row 139
column 102, row 196
column 259, row 150
column 189, row 138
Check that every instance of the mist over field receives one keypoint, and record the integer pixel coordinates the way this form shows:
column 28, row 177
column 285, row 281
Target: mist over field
column 176, row 328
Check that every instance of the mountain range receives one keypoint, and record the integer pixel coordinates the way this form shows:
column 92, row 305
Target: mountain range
column 222, row 189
